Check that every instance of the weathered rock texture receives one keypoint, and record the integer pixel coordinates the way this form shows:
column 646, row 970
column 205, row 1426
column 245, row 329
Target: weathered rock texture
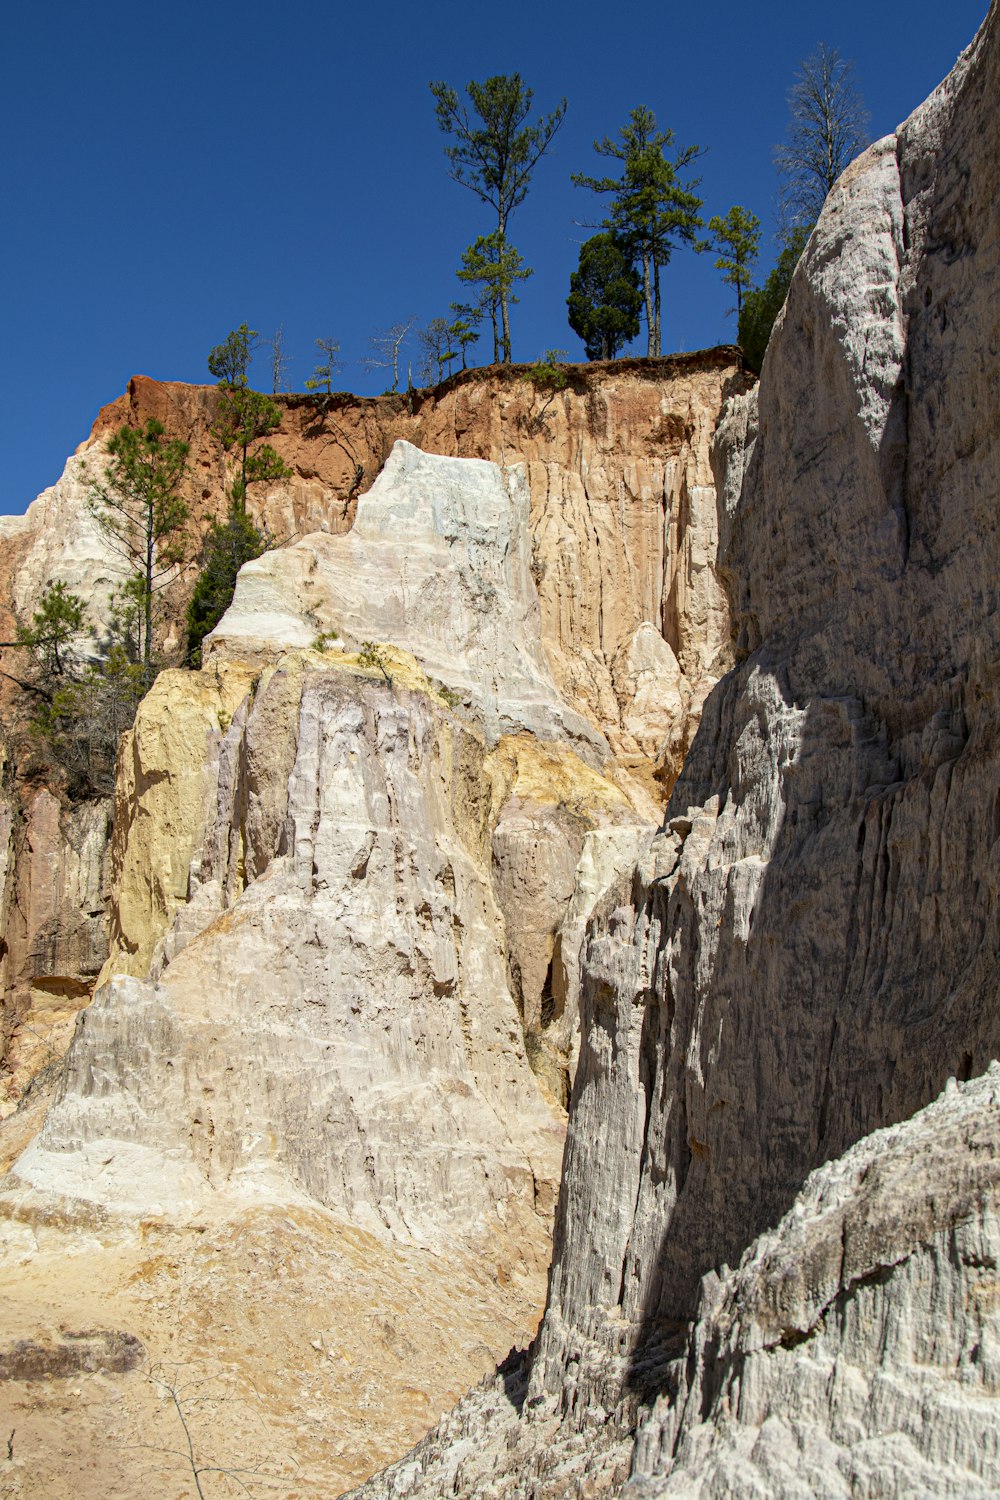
column 438, row 562
column 623, row 513
column 810, row 946
column 855, row 1351
column 53, row 897
column 857, row 1348
column 634, row 630
column 309, row 1022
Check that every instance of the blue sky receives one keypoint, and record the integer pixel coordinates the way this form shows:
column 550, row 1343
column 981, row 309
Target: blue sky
column 171, row 171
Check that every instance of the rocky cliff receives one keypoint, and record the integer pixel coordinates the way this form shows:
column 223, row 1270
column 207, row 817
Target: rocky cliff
column 331, row 1038
column 809, row 949
column 623, row 514
column 622, row 543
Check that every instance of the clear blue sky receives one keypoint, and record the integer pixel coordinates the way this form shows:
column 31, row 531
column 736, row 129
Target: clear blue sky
column 171, row 171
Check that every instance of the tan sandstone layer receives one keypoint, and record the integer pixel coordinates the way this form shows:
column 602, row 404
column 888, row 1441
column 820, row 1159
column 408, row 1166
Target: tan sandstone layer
column 623, row 516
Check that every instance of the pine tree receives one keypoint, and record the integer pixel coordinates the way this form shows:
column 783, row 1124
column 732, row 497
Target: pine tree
column 494, row 266
column 136, row 505
column 653, row 208
column 737, row 239
column 495, row 152
column 228, row 545
column 245, row 416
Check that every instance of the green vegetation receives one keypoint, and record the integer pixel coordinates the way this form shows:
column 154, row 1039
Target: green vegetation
column 79, row 727
column 436, row 351
column 494, row 145
column 604, row 299
column 245, row 417
column 227, row 546
column 763, row 304
column 55, row 624
column 493, row 266
column 654, row 207
column 76, row 708
column 136, row 505
column 493, row 154
column 464, row 331
column 322, row 375
column 372, row 658
column 736, row 238
column 545, row 373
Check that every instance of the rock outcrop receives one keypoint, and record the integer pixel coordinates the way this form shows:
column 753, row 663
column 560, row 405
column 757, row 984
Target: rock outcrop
column 438, row 562
column 623, row 514
column 633, row 628
column 809, row 947
column 856, row 1350
column 53, row 900
column 313, row 1022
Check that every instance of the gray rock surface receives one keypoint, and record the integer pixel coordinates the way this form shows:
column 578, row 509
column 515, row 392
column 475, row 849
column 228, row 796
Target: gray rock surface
column 856, row 1350
column 812, row 947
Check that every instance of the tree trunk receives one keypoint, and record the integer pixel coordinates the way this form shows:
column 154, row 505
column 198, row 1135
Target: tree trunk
column 652, row 330
column 506, row 325
column 655, row 351
column 147, row 645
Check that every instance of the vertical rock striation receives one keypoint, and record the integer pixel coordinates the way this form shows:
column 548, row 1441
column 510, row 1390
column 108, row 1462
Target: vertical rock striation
column 809, row 949
column 812, row 950
column 327, row 1020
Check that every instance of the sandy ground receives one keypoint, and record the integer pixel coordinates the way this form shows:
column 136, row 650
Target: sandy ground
column 304, row 1353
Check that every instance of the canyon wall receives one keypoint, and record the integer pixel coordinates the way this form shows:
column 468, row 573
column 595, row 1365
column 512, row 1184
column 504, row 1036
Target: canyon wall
column 623, row 537
column 623, row 514
column 332, row 1015
column 809, row 949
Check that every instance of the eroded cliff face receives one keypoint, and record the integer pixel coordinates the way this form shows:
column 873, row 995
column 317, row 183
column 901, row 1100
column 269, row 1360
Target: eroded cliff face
column 623, row 534
column 820, row 912
column 53, row 906
column 857, row 1347
column 623, row 514
column 809, row 948
column 328, row 1016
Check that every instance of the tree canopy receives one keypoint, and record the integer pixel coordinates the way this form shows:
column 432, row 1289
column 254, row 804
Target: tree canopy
column 604, row 299
column 653, row 207
column 137, row 506
column 736, row 237
column 762, row 305
column 494, row 151
column 494, row 267
column 244, row 416
column 228, row 545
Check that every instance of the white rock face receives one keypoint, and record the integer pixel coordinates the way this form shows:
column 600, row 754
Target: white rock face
column 856, row 1350
column 308, row 1028
column 815, row 910
column 438, row 562
column 58, row 541
column 340, row 1028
